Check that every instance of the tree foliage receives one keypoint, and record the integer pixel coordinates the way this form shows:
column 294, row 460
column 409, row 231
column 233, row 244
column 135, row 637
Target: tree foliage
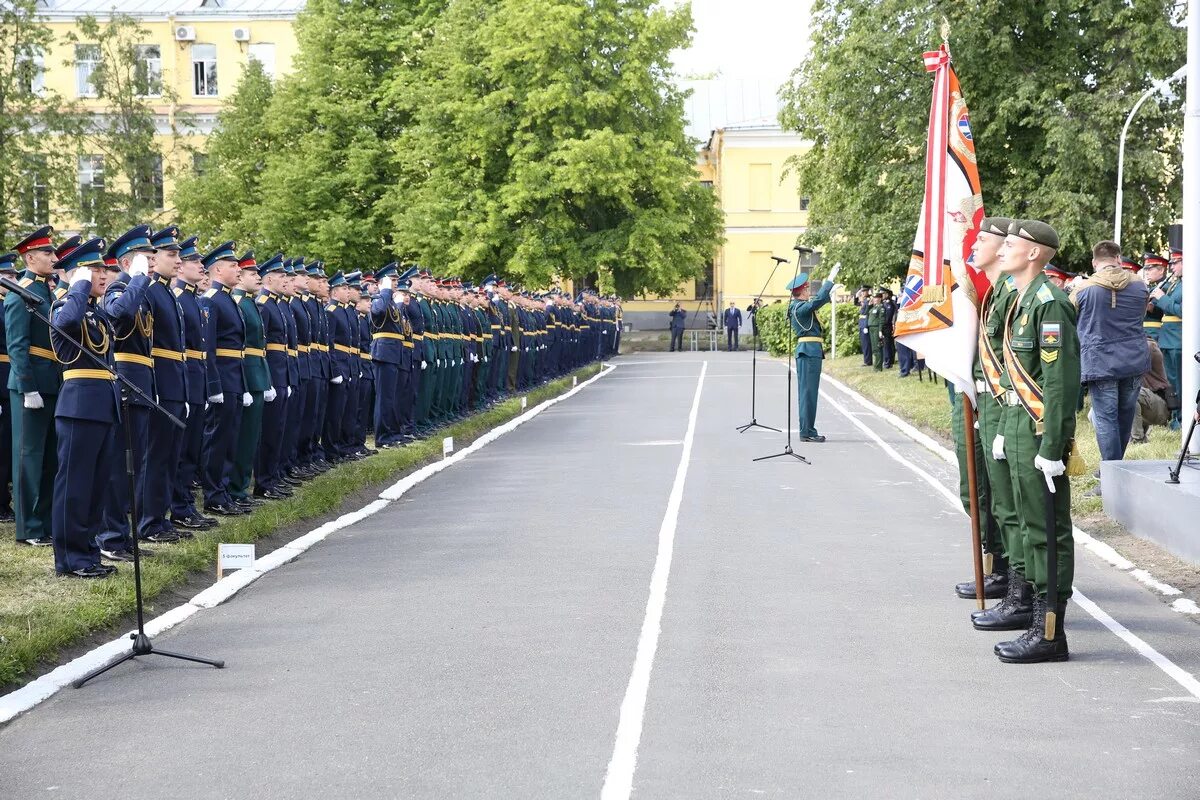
column 548, row 140
column 1048, row 84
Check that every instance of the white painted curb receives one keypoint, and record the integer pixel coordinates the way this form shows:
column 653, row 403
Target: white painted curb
column 21, row 700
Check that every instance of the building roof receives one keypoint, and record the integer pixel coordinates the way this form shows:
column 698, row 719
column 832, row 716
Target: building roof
column 725, row 102
column 191, row 9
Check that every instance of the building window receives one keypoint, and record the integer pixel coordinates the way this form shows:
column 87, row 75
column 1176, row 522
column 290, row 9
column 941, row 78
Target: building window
column 148, row 181
column 199, row 163
column 147, row 75
column 706, row 184
column 35, row 198
column 264, row 53
column 804, row 204
column 91, row 185
column 32, row 71
column 87, row 58
column 204, row 70
column 760, row 187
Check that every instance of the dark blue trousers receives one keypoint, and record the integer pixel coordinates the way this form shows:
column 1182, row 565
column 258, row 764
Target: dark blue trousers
column 270, row 442
column 164, row 443
column 220, row 446
column 387, row 403
column 300, row 407
column 183, row 499
column 335, row 419
column 864, row 341
column 118, row 505
column 85, row 472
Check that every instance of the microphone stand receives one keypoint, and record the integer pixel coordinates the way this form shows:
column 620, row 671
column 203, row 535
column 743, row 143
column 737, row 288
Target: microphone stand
column 754, row 423
column 787, row 449
column 141, row 642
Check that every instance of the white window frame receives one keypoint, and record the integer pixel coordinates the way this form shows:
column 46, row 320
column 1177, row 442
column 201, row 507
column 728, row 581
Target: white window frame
column 90, row 178
column 37, row 188
column 37, row 79
column 149, row 68
column 84, row 67
column 206, row 79
column 255, row 52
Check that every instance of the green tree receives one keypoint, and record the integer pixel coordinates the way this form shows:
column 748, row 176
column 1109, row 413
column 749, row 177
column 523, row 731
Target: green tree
column 1048, row 84
column 123, row 134
column 36, row 176
column 222, row 199
column 548, row 140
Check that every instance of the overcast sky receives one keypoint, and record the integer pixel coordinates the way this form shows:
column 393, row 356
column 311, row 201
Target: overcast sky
column 746, row 38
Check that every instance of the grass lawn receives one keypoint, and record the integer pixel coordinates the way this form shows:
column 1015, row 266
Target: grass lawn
column 40, row 614
column 926, row 405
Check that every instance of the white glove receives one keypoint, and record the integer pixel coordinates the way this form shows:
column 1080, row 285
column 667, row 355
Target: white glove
column 385, row 284
column 338, row 380
column 217, row 399
column 80, row 274
column 187, row 410
column 34, row 400
column 833, row 273
column 998, row 448
column 289, row 394
column 139, row 266
column 424, row 363
column 514, row 348
column 1050, row 470
column 247, row 399
column 438, row 362
column 270, row 394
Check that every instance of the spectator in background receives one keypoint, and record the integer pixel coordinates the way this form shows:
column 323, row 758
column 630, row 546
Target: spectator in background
column 1154, row 397
column 1112, row 347
column 907, row 357
column 678, row 320
column 733, row 325
column 889, row 329
column 863, row 299
column 755, row 305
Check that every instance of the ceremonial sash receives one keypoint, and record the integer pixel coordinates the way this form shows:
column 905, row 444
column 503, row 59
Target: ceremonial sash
column 1027, row 389
column 992, row 366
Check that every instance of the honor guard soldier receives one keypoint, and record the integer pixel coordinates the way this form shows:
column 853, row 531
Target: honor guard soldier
column 133, row 321
column 410, row 380
column 802, row 314
column 322, row 365
column 224, row 340
column 86, row 415
column 33, row 381
column 1042, row 369
column 1167, row 297
column 343, row 359
column 366, row 379
column 302, row 403
column 1153, row 274
column 389, row 355
column 273, row 312
column 8, row 269
column 288, row 397
column 164, row 444
column 257, row 382
column 184, row 515
column 1058, row 276
column 347, row 430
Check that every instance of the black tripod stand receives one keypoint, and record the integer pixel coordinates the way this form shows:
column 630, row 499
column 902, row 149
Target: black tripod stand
column 754, row 423
column 1184, row 455
column 787, row 449
column 141, row 642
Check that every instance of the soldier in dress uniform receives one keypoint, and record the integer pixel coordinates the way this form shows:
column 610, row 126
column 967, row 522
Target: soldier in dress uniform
column 341, row 350
column 303, row 400
column 388, row 354
column 366, row 378
column 184, row 514
column 1042, row 369
column 133, row 320
column 289, row 396
column 273, row 313
column 414, row 357
column 224, row 342
column 86, row 414
column 33, row 381
column 318, row 285
column 1167, row 297
column 257, row 383
column 8, row 269
column 348, row 432
column 802, row 314
column 1152, row 273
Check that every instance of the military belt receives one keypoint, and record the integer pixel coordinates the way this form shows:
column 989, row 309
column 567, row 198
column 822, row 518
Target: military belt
column 160, row 352
column 418, row 336
column 293, row 353
column 252, row 351
column 345, row 348
column 3, row 358
column 1010, row 398
column 199, row 355
column 134, row 358
column 275, row 347
column 42, row 352
column 981, row 386
column 809, row 339
column 365, row 356
column 303, row 348
column 1152, row 324
column 388, row 335
column 408, row 344
column 94, row 374
column 224, row 352
column 1166, row 318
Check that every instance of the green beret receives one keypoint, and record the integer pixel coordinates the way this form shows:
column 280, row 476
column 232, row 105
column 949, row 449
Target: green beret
column 1037, row 232
column 996, row 225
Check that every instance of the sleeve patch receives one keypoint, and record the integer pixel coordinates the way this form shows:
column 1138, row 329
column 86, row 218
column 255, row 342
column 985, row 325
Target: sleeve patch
column 1050, row 356
column 1051, row 334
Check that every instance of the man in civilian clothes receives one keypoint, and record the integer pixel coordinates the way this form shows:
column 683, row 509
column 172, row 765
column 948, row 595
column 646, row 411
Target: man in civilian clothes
column 732, row 319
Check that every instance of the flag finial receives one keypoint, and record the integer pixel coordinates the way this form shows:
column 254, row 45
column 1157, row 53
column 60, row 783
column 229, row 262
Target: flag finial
column 945, row 31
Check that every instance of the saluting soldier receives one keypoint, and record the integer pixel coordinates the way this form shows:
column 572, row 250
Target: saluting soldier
column 86, row 414
column 414, row 357
column 224, row 340
column 257, row 382
column 1167, row 297
column 802, row 314
column 1153, row 272
column 8, row 269
column 349, row 422
column 273, row 414
column 1041, row 357
column 388, row 339
column 33, row 381
column 184, row 514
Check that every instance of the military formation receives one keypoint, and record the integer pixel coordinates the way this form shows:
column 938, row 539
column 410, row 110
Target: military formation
column 270, row 372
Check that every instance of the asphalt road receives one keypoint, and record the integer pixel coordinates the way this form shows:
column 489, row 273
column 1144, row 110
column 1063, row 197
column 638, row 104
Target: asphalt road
column 476, row 638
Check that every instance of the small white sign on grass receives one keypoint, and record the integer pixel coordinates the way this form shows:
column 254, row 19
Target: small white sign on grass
column 234, row 556
column 447, row 446
column 524, row 402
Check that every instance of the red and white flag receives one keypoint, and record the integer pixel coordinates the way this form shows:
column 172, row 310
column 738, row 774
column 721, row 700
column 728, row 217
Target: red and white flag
column 938, row 314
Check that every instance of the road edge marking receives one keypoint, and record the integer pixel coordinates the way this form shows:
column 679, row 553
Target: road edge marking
column 618, row 778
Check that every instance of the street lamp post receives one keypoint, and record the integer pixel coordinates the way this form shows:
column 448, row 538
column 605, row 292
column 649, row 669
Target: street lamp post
column 1158, row 86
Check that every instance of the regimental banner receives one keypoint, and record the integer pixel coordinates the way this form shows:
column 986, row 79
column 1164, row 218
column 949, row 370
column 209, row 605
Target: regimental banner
column 938, row 314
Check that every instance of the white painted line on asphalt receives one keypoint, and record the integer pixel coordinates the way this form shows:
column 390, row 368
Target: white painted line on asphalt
column 618, row 780
column 1185, row 606
column 1156, row 585
column 21, row 700
column 1177, row 673
column 655, row 443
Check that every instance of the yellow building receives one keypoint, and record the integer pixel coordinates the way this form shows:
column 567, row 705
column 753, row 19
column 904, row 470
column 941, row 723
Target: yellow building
column 194, row 49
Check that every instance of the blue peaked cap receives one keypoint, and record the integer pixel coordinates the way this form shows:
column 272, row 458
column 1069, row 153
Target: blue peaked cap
column 222, row 252
column 134, row 240
column 799, row 281
column 88, row 254
column 188, row 250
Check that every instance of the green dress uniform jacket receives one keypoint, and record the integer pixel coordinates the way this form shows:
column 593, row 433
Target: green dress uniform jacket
column 802, row 314
column 257, row 379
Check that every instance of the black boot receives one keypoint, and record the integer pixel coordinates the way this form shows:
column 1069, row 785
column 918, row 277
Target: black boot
column 1033, row 647
column 995, row 586
column 1013, row 612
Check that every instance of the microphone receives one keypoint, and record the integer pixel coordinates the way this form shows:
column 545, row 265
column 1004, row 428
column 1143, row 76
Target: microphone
column 20, row 291
column 779, row 260
column 803, row 250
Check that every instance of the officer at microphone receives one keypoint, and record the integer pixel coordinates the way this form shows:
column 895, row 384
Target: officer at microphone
column 802, row 314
